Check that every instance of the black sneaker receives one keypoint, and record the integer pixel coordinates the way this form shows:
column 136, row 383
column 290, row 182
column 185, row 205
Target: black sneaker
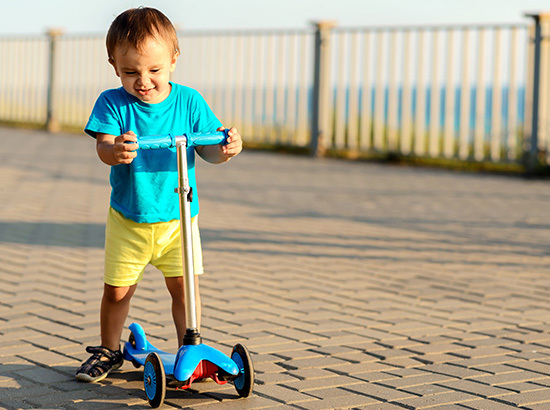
column 99, row 365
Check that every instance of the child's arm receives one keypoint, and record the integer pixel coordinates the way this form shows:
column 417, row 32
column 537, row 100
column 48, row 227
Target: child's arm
column 217, row 154
column 114, row 150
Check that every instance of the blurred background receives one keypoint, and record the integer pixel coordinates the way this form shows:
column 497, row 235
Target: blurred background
column 457, row 82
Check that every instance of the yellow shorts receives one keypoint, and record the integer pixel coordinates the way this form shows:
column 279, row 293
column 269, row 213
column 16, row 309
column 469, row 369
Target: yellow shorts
column 130, row 246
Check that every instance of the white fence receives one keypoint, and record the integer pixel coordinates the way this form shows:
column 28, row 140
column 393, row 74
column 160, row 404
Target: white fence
column 460, row 92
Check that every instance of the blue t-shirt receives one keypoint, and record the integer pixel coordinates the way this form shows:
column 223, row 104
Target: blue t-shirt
column 144, row 189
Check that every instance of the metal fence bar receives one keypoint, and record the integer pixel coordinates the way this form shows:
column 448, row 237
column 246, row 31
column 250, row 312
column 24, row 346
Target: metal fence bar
column 259, row 71
column 406, row 117
column 420, row 114
column 302, row 136
column 512, row 126
column 352, row 125
column 393, row 97
column 249, row 74
column 433, row 136
column 365, row 142
column 464, row 130
column 379, row 94
column 479, row 132
column 340, row 105
column 279, row 88
column 496, row 109
column 239, row 81
column 291, row 93
column 449, row 118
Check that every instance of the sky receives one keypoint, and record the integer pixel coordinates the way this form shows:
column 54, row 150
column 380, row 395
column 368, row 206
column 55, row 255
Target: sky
column 95, row 16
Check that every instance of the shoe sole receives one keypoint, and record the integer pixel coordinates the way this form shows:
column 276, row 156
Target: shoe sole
column 86, row 378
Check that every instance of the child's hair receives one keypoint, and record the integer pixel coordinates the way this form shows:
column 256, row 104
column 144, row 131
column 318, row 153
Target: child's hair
column 134, row 26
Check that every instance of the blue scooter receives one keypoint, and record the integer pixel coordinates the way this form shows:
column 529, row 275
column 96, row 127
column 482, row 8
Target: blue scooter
column 194, row 360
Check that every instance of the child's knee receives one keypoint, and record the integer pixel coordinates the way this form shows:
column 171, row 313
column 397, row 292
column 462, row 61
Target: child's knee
column 175, row 286
column 116, row 294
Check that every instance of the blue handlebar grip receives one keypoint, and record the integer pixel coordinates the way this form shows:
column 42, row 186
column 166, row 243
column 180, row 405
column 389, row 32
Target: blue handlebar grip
column 156, row 142
column 207, row 138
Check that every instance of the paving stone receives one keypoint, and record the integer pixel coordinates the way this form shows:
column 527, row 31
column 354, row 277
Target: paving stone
column 425, row 389
column 380, row 392
column 542, row 368
column 357, row 368
column 412, row 381
column 435, row 400
column 404, row 362
column 316, row 362
column 523, row 387
column 455, row 370
column 439, row 348
column 314, row 384
column 43, row 375
column 473, row 387
column 283, row 394
column 487, row 404
column 273, row 378
column 46, row 358
column 505, row 378
column 528, row 398
column 339, row 402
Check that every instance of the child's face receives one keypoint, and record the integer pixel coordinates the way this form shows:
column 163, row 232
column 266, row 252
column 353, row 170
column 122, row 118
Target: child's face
column 145, row 74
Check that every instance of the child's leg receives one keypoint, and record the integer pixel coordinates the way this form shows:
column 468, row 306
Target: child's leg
column 115, row 306
column 175, row 287
column 107, row 357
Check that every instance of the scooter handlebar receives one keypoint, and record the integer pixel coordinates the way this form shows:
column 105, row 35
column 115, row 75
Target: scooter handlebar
column 207, row 138
column 193, row 139
column 157, row 141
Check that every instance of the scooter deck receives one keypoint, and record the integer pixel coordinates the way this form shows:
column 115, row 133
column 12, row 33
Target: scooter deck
column 139, row 356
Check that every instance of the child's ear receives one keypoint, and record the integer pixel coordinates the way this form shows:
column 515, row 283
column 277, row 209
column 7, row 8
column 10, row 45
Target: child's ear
column 112, row 62
column 174, row 61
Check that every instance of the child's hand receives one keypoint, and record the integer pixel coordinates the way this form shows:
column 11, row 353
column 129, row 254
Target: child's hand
column 123, row 151
column 217, row 154
column 234, row 143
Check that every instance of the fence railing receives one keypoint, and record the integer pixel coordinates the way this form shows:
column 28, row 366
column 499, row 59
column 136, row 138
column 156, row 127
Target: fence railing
column 475, row 93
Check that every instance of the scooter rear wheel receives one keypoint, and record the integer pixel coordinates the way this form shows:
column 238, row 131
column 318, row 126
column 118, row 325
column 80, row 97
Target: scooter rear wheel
column 154, row 380
column 244, row 384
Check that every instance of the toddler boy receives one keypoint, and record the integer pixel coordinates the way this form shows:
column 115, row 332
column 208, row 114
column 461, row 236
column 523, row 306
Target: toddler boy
column 143, row 220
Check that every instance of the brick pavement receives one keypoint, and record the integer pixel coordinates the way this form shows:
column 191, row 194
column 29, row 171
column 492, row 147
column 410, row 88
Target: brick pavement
column 354, row 285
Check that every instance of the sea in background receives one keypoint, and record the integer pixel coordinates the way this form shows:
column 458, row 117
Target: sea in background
column 75, row 104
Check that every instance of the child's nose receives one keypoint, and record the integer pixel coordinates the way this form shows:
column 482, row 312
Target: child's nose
column 143, row 79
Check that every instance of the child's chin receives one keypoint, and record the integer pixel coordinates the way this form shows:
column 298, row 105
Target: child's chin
column 147, row 98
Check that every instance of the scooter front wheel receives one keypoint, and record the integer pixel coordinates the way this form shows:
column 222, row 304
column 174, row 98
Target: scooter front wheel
column 154, row 380
column 244, row 384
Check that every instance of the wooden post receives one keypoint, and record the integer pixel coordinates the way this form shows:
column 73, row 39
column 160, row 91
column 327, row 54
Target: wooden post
column 320, row 117
column 52, row 123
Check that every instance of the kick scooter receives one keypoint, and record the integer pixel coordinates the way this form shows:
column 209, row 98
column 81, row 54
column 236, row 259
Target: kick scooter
column 194, row 360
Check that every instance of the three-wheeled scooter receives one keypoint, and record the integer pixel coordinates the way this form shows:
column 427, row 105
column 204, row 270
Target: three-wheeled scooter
column 194, row 360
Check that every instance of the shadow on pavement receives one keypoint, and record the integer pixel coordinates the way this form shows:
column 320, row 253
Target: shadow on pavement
column 53, row 234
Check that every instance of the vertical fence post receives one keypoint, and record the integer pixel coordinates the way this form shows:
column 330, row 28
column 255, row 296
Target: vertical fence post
column 52, row 123
column 320, row 122
column 532, row 139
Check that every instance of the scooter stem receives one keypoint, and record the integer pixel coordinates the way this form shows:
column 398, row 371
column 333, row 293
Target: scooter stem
column 184, row 191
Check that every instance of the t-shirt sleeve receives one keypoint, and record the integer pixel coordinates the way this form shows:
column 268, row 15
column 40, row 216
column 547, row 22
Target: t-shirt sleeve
column 203, row 119
column 104, row 117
